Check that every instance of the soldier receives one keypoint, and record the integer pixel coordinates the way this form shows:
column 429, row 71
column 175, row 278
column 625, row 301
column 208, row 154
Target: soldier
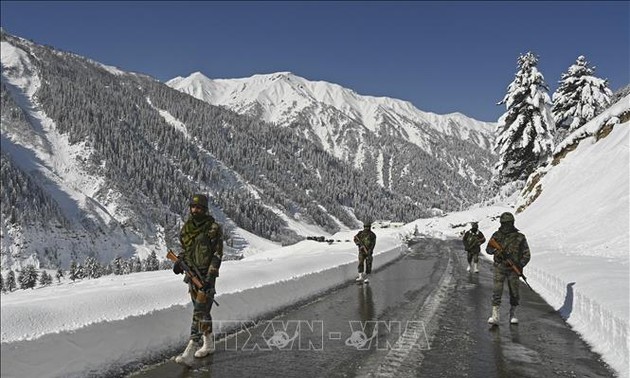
column 513, row 246
column 473, row 239
column 365, row 240
column 202, row 244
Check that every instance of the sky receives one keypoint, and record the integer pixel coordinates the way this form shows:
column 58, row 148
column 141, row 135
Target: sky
column 577, row 230
column 443, row 57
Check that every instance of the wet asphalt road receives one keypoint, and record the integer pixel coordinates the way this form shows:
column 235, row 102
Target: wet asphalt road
column 420, row 316
column 541, row 345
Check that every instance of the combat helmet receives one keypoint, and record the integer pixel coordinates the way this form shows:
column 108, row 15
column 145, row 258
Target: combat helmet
column 199, row 200
column 507, row 217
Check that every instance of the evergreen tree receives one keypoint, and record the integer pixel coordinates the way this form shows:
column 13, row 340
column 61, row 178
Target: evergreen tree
column 136, row 264
column 45, row 279
column 152, row 262
column 28, row 277
column 92, row 268
column 127, row 266
column 117, row 265
column 580, row 96
column 73, row 272
column 80, row 271
column 11, row 283
column 525, row 137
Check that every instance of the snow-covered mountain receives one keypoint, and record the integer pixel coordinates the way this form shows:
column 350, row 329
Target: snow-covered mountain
column 283, row 98
column 362, row 130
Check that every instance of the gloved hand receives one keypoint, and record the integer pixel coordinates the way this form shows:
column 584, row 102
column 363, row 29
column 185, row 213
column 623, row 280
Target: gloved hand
column 208, row 288
column 177, row 269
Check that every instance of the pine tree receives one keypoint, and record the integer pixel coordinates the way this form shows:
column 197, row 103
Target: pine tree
column 152, row 262
column 127, row 266
column 92, row 268
column 136, row 264
column 28, row 277
column 117, row 265
column 80, row 273
column 580, row 96
column 73, row 273
column 525, row 137
column 11, row 283
column 45, row 279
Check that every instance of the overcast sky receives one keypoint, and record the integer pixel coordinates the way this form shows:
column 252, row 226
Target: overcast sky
column 442, row 56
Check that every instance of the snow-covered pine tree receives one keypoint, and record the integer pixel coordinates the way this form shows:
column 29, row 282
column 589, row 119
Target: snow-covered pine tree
column 92, row 268
column 152, row 263
column 45, row 279
column 117, row 265
column 525, row 132
column 136, row 264
column 28, row 277
column 73, row 273
column 580, row 96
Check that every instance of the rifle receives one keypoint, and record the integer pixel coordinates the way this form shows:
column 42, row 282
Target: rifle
column 195, row 276
column 362, row 247
column 494, row 244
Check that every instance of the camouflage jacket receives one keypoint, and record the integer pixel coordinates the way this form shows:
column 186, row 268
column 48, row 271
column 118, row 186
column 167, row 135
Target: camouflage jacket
column 513, row 246
column 473, row 241
column 367, row 238
column 202, row 244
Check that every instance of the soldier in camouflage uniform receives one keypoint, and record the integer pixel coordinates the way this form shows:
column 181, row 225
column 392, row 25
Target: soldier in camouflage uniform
column 365, row 240
column 202, row 243
column 473, row 239
column 514, row 247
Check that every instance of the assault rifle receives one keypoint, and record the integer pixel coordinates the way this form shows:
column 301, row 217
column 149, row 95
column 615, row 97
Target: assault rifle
column 195, row 276
column 362, row 247
column 508, row 261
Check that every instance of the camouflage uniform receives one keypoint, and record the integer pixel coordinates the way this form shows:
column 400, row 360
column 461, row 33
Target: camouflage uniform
column 365, row 238
column 473, row 239
column 202, row 244
column 514, row 247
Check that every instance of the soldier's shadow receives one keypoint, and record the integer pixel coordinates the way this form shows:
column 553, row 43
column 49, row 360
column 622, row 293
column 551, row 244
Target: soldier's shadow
column 567, row 306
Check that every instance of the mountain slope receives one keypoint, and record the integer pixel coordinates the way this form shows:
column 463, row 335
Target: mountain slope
column 389, row 138
column 575, row 213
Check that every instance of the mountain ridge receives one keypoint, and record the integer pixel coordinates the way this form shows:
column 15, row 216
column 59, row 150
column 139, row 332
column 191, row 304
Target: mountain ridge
column 347, row 124
column 238, row 93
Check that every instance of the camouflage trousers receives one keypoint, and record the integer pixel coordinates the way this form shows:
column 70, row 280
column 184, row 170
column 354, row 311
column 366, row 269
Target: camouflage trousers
column 201, row 319
column 502, row 274
column 473, row 256
column 365, row 259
